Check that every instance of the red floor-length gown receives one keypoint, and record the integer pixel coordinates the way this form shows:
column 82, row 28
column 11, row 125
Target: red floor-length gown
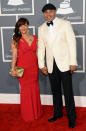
column 29, row 91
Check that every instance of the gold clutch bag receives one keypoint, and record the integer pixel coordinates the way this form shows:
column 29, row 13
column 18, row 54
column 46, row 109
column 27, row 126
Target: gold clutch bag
column 19, row 71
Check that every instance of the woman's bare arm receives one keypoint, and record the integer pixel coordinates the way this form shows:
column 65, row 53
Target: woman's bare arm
column 14, row 57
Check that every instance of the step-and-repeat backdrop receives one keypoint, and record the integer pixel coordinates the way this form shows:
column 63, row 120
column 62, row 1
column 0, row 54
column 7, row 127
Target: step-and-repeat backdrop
column 12, row 10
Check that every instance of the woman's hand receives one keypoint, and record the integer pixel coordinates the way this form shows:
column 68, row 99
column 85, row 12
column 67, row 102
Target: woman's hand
column 13, row 73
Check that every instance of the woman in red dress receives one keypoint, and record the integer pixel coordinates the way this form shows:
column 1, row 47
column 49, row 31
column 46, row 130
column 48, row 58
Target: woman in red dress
column 24, row 48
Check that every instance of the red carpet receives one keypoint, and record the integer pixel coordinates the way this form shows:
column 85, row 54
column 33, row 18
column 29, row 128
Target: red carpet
column 10, row 120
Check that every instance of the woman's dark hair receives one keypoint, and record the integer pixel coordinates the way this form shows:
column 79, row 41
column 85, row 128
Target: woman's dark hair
column 17, row 34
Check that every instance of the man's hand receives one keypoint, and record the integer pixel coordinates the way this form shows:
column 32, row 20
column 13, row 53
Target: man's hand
column 73, row 68
column 44, row 70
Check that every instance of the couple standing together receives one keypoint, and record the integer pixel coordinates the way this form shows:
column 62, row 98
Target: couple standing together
column 57, row 37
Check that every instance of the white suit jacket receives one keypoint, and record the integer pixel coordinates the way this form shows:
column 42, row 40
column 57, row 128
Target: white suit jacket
column 62, row 48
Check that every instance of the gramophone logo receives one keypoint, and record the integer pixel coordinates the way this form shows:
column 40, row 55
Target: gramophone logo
column 65, row 8
column 15, row 2
column 9, row 7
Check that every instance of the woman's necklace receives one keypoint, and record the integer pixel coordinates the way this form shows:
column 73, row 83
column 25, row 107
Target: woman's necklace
column 29, row 39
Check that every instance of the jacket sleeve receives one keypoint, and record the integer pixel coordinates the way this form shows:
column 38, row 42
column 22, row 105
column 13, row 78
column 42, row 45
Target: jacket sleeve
column 71, row 40
column 41, row 49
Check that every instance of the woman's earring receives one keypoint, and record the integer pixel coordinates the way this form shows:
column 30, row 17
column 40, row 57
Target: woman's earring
column 19, row 33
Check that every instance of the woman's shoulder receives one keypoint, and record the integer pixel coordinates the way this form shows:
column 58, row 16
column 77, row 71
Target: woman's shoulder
column 13, row 42
column 35, row 36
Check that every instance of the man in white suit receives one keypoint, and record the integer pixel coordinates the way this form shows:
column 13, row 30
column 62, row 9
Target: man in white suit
column 57, row 37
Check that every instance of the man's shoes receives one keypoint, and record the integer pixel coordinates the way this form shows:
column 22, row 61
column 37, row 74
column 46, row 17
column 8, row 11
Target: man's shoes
column 54, row 118
column 72, row 124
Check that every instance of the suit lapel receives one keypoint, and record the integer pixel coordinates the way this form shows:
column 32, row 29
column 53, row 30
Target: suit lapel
column 56, row 32
column 46, row 32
